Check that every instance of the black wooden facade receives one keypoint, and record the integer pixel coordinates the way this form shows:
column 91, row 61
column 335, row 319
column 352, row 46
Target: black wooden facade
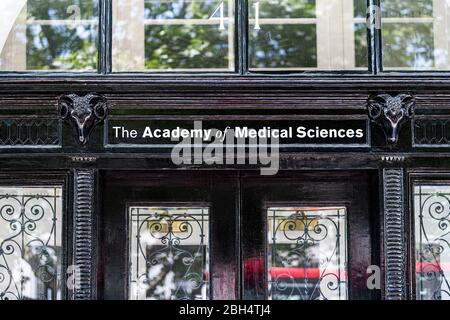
column 418, row 102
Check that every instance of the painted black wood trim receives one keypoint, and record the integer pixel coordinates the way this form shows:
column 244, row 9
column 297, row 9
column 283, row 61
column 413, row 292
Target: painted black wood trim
column 83, row 233
column 105, row 37
column 374, row 36
column 322, row 84
column 242, row 36
column 394, row 228
column 290, row 161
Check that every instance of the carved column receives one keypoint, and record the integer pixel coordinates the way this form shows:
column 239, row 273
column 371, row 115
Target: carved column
column 84, row 113
column 83, row 252
column 394, row 234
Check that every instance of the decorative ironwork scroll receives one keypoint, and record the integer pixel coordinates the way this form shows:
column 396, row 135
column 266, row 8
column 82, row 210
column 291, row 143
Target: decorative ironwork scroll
column 83, row 112
column 30, row 243
column 16, row 132
column 432, row 239
column 390, row 112
column 169, row 253
column 307, row 253
column 394, row 234
column 83, row 233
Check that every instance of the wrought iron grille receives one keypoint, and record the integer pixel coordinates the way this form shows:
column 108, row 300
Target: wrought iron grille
column 432, row 241
column 169, row 253
column 30, row 243
column 307, row 253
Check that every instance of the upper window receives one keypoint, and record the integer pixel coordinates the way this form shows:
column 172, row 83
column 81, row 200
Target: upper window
column 214, row 36
column 416, row 34
column 306, row 35
column 48, row 35
column 182, row 35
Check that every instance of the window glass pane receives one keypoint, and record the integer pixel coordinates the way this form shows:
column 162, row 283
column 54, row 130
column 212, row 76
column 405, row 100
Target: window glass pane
column 432, row 241
column 307, row 253
column 416, row 34
column 361, row 49
column 360, row 9
column 169, row 253
column 307, row 34
column 30, row 243
column 173, row 35
column 41, row 35
column 407, row 8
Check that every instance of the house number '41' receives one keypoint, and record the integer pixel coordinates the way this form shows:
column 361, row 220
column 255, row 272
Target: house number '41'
column 219, row 11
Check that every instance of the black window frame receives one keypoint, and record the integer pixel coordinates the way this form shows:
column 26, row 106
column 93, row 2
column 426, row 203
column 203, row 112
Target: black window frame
column 374, row 54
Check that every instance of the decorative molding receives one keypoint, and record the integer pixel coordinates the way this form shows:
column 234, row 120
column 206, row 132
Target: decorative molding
column 29, row 132
column 393, row 158
column 83, row 233
column 83, row 112
column 394, row 228
column 83, row 159
column 431, row 131
column 390, row 112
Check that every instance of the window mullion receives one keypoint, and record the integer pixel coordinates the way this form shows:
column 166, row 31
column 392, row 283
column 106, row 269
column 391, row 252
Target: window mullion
column 242, row 36
column 374, row 43
column 105, row 37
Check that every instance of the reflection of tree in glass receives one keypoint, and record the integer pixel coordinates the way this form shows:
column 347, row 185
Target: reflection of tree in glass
column 43, row 260
column 284, row 9
column 361, row 59
column 68, row 47
column 173, row 274
column 408, row 45
column 360, row 8
column 407, row 8
column 185, row 46
column 295, row 256
column 283, row 45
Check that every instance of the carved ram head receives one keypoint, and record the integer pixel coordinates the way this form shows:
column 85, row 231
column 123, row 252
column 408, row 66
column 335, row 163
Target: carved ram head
column 390, row 112
column 83, row 112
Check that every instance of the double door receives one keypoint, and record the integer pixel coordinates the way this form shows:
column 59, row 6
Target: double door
column 237, row 235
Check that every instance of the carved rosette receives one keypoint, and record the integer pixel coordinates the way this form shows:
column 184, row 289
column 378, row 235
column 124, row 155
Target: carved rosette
column 83, row 113
column 390, row 112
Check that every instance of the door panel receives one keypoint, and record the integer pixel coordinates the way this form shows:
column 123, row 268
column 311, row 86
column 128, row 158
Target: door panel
column 169, row 235
column 230, row 235
column 308, row 235
column 307, row 254
column 168, row 251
